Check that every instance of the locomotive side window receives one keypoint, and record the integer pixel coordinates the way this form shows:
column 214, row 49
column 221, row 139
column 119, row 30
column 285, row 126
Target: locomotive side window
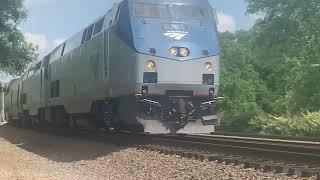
column 38, row 66
column 17, row 103
column 151, row 10
column 25, row 75
column 84, row 35
column 31, row 72
column 98, row 26
column 89, row 32
column 63, row 48
column 11, row 98
column 46, row 60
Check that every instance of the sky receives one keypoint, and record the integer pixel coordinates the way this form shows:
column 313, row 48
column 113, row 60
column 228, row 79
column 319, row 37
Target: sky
column 50, row 22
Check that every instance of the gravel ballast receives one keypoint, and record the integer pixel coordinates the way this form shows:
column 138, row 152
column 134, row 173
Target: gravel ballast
column 29, row 155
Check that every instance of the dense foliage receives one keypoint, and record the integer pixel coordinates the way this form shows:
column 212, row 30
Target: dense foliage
column 307, row 124
column 274, row 68
column 15, row 52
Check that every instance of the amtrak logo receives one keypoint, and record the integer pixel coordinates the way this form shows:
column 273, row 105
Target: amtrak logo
column 176, row 35
column 175, row 31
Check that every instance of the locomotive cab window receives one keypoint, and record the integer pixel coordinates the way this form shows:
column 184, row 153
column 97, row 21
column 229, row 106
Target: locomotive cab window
column 188, row 12
column 151, row 10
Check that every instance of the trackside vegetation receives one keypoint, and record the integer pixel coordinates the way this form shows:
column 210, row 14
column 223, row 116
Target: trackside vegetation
column 271, row 73
column 307, row 124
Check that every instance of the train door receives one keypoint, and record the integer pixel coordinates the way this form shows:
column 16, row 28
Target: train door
column 19, row 97
column 18, row 103
column 11, row 100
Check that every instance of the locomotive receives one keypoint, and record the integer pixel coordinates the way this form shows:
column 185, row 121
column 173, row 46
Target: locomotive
column 146, row 65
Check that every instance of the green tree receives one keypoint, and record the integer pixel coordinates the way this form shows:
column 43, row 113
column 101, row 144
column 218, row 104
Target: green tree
column 245, row 94
column 15, row 52
column 286, row 43
column 274, row 68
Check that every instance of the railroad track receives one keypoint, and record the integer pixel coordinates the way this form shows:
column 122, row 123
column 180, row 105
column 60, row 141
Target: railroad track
column 292, row 157
column 301, row 158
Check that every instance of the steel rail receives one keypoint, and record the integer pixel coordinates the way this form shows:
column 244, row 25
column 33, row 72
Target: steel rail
column 254, row 135
column 306, row 152
column 300, row 158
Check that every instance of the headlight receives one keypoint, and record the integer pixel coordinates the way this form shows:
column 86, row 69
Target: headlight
column 152, row 50
column 184, row 52
column 151, row 65
column 208, row 66
column 174, row 51
column 205, row 52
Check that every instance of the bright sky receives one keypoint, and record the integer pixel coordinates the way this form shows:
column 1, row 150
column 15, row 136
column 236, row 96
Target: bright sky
column 50, row 22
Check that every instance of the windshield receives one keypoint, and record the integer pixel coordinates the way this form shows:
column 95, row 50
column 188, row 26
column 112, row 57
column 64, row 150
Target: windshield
column 185, row 11
column 164, row 11
column 151, row 10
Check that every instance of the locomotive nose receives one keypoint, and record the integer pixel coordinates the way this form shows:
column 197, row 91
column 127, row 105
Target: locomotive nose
column 196, row 76
column 202, row 71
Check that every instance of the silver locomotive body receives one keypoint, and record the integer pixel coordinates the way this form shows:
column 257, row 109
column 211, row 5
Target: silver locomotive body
column 134, row 68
